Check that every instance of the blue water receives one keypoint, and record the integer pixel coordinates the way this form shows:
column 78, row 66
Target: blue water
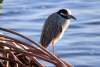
column 80, row 45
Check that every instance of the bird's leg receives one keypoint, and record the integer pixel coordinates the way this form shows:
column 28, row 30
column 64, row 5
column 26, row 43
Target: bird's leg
column 53, row 48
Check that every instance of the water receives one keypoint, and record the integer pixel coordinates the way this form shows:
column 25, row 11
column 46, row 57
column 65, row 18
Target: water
column 79, row 45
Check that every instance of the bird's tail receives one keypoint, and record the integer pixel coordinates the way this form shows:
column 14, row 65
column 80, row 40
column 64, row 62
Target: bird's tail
column 44, row 41
column 44, row 45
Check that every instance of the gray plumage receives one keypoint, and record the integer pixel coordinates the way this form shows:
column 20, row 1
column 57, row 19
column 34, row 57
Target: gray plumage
column 53, row 29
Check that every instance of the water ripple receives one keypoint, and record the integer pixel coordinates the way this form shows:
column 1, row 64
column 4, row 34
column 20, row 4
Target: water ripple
column 80, row 42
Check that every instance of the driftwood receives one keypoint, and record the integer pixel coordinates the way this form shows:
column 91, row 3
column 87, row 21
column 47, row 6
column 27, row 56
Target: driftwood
column 25, row 52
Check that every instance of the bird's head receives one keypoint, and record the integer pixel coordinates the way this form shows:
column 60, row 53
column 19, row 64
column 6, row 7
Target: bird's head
column 66, row 13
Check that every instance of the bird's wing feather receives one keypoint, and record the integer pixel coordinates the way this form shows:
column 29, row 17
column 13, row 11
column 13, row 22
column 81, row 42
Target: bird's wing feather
column 50, row 31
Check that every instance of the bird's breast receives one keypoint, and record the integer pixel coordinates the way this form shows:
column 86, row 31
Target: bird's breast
column 65, row 26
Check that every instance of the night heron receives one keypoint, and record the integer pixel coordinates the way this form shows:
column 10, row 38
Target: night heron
column 55, row 26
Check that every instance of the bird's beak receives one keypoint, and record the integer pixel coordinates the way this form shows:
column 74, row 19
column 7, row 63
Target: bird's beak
column 71, row 16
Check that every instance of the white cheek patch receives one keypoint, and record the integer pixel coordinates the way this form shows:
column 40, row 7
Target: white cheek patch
column 69, row 12
column 63, row 14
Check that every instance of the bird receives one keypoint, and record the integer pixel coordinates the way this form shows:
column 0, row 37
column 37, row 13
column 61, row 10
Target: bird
column 55, row 26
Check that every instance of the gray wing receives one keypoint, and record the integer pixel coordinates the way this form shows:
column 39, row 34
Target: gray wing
column 50, row 31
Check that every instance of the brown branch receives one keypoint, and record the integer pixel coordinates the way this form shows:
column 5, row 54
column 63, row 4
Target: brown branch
column 32, row 51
